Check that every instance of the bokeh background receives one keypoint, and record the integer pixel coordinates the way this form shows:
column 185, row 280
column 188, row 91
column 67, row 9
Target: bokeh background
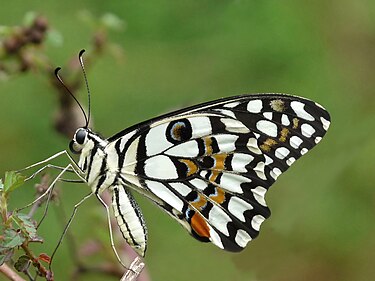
column 178, row 53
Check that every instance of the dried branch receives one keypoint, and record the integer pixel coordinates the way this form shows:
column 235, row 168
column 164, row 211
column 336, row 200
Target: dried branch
column 135, row 269
column 10, row 273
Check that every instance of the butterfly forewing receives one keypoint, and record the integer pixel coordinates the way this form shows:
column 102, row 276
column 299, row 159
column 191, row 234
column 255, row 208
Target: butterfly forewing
column 210, row 166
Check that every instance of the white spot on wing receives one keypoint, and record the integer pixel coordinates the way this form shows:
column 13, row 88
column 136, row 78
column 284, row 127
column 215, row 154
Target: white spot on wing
column 232, row 182
column 259, row 194
column 237, row 207
column 275, row 173
column 234, row 126
column 156, row 141
column 227, row 112
column 325, row 123
column 203, row 173
column 281, row 152
column 295, row 142
column 268, row 159
column 186, row 149
column 198, row 183
column 231, row 104
column 304, row 151
column 160, row 167
column 257, row 221
column 181, row 188
column 226, row 142
column 285, row 120
column 215, row 238
column 290, row 161
column 267, row 127
column 219, row 219
column 242, row 238
column 318, row 139
column 254, row 106
column 299, row 109
column 201, row 126
column 268, row 115
column 165, row 194
column 239, row 162
column 259, row 170
column 252, row 145
column 307, row 130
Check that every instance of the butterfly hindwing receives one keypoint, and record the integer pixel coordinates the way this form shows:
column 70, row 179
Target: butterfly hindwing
column 210, row 166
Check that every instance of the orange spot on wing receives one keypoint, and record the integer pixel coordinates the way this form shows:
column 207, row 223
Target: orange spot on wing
column 199, row 225
column 220, row 161
column 214, row 175
column 295, row 123
column 208, row 145
column 200, row 203
column 192, row 167
column 267, row 144
column 219, row 197
column 284, row 134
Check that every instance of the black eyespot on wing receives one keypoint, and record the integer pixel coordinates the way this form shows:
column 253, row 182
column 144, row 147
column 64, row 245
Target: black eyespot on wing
column 178, row 131
column 80, row 136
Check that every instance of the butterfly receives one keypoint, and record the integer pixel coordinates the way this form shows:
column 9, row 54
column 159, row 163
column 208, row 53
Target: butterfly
column 208, row 166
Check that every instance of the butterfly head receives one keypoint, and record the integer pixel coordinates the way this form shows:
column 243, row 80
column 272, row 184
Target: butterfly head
column 79, row 140
column 85, row 139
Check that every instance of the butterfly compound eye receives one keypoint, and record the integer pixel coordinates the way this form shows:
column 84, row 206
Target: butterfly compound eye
column 78, row 140
column 80, row 136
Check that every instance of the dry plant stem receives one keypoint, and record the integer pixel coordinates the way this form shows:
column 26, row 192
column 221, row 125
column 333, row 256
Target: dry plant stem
column 135, row 269
column 10, row 273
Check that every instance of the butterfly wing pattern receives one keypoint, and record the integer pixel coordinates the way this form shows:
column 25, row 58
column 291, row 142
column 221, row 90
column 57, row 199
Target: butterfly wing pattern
column 208, row 166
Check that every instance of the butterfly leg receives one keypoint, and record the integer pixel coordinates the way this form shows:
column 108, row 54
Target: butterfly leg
column 110, row 231
column 48, row 166
column 76, row 206
column 74, row 166
column 50, row 187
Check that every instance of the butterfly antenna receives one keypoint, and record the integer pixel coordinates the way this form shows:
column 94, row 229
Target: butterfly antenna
column 86, row 82
column 62, row 83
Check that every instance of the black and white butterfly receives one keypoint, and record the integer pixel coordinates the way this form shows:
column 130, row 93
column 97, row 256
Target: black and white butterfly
column 208, row 166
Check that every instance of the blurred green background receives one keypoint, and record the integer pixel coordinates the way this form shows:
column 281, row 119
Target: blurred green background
column 178, row 53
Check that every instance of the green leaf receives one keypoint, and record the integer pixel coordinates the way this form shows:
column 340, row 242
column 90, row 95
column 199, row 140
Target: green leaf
column 27, row 224
column 22, row 264
column 12, row 239
column 12, row 181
